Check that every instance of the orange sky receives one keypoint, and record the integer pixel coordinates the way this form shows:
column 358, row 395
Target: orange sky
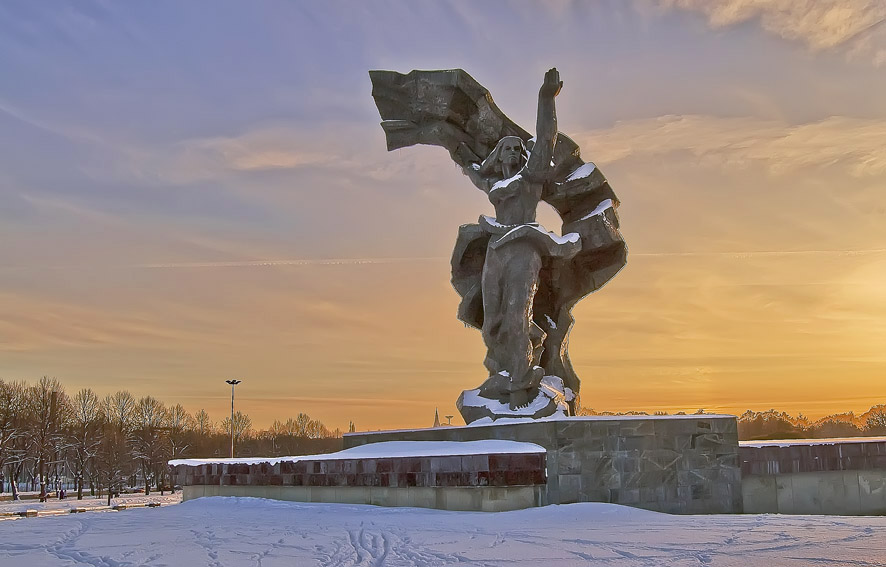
column 221, row 204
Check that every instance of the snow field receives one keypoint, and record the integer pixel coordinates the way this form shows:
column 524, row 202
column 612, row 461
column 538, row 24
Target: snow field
column 233, row 532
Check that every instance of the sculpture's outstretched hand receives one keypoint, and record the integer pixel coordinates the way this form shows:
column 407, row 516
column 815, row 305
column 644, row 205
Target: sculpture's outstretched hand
column 552, row 84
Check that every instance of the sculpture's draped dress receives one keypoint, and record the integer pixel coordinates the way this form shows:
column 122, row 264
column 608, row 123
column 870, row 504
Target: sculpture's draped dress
column 510, row 280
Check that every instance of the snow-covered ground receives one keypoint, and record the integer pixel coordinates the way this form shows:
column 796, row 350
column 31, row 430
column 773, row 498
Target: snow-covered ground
column 235, row 532
column 93, row 503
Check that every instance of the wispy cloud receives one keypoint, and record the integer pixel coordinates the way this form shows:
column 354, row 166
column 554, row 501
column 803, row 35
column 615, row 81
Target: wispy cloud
column 853, row 144
column 293, row 262
column 853, row 26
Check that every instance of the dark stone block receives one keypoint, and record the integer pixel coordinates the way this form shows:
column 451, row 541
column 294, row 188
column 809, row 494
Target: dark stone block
column 275, row 480
column 384, row 465
column 499, row 462
column 497, row 478
column 445, row 464
column 569, row 462
column 475, row 463
column 627, row 497
column 596, row 495
column 518, row 477
column 370, row 480
column 700, row 491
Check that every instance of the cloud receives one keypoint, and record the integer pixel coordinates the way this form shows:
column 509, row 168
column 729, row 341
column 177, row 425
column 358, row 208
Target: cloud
column 274, row 148
column 854, row 26
column 852, row 144
column 355, row 148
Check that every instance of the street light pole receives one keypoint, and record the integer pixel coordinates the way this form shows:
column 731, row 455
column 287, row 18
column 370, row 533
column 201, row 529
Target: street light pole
column 232, row 383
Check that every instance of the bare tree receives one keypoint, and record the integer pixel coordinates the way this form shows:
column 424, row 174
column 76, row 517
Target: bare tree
column 114, row 458
column 149, row 436
column 13, row 443
column 204, row 429
column 242, row 426
column 120, row 407
column 302, row 422
column 85, row 426
column 112, row 461
column 49, row 408
column 180, row 428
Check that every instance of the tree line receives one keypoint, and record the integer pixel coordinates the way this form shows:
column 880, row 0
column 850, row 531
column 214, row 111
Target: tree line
column 774, row 424
column 51, row 440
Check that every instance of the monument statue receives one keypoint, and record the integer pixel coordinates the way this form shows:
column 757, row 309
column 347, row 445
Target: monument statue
column 517, row 281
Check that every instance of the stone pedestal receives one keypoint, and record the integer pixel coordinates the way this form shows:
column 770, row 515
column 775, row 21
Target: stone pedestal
column 675, row 464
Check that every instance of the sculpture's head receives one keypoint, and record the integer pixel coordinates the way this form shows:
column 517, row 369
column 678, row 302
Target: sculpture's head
column 510, row 151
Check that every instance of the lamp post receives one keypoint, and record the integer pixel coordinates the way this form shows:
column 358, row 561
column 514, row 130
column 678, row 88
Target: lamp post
column 232, row 383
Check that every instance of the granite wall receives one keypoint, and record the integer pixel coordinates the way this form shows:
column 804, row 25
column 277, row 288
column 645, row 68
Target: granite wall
column 674, row 464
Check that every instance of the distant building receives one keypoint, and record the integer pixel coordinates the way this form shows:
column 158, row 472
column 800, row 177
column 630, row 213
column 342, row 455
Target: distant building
column 437, row 420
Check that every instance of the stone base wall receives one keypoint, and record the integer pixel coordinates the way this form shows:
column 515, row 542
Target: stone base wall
column 843, row 477
column 837, row 493
column 480, row 482
column 473, row 498
column 500, row 469
column 674, row 464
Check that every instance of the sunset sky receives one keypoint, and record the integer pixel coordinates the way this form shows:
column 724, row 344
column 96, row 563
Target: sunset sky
column 197, row 191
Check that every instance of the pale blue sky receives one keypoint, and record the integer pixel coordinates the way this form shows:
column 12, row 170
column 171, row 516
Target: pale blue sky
column 182, row 134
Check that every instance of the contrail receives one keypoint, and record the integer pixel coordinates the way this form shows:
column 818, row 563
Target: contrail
column 303, row 262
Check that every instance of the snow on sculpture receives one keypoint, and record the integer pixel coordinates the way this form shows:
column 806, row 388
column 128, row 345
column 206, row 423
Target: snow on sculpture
column 518, row 282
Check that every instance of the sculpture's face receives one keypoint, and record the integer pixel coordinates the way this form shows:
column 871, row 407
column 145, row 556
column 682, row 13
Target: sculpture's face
column 511, row 151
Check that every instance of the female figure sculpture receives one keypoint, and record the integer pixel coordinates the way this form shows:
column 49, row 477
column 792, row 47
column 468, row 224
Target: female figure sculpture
column 514, row 182
column 517, row 281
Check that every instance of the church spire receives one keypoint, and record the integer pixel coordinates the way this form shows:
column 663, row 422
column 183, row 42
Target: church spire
column 436, row 418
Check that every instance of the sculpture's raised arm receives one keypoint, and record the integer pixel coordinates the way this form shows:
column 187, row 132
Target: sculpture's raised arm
column 539, row 165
